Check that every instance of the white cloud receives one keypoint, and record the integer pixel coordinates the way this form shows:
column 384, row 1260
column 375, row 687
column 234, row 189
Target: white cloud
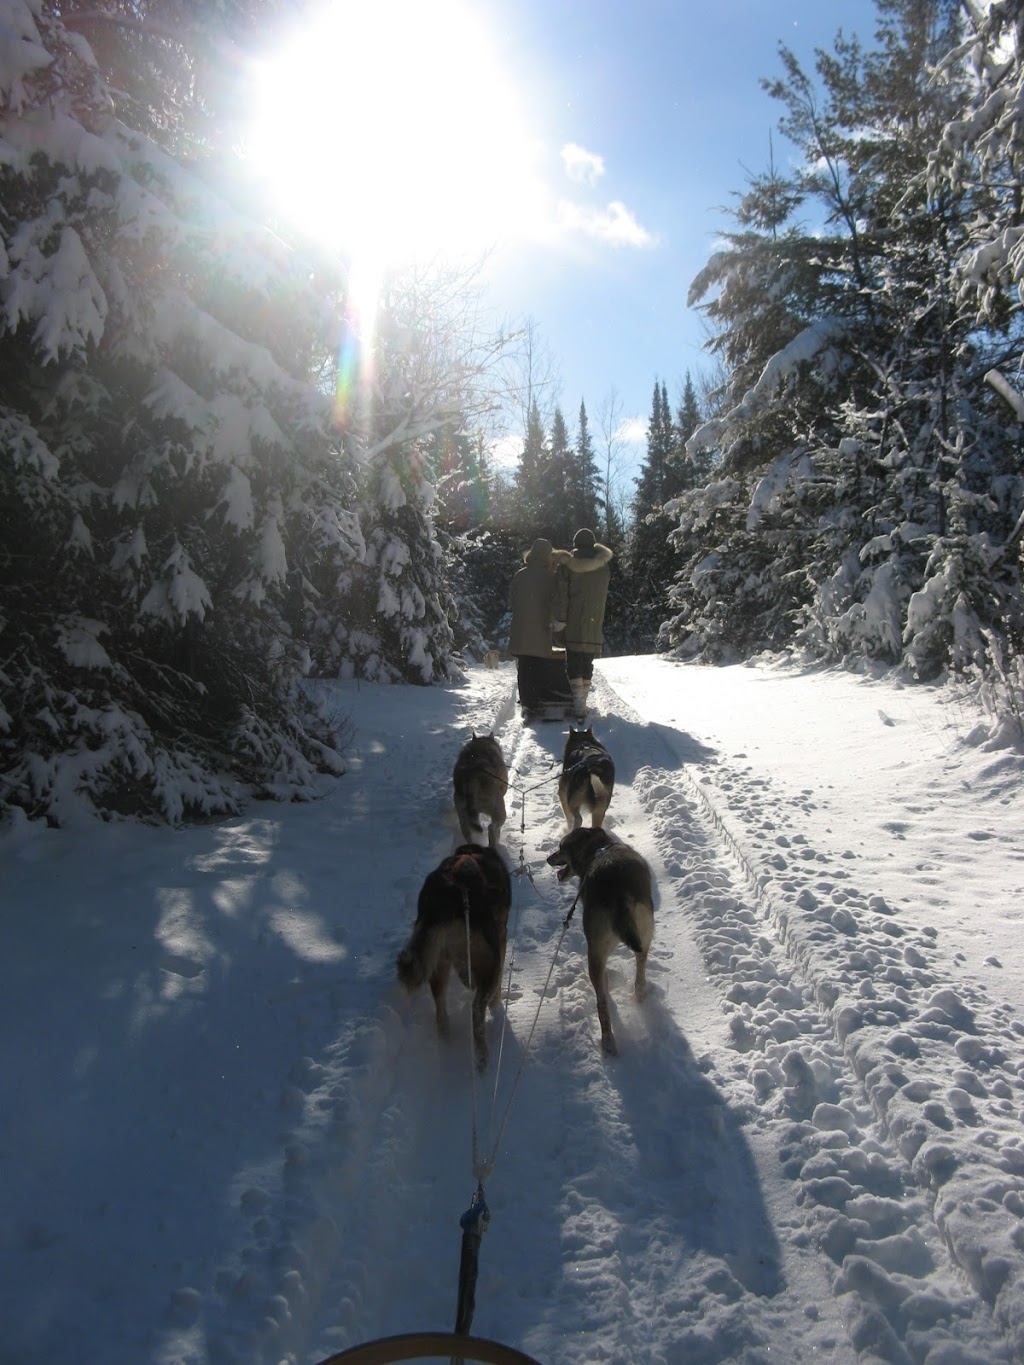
column 586, row 168
column 633, row 431
column 614, row 224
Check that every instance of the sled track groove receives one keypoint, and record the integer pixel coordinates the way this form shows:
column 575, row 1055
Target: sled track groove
column 836, row 1008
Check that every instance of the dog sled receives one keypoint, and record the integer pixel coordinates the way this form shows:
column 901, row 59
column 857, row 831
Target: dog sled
column 430, row 1346
column 543, row 688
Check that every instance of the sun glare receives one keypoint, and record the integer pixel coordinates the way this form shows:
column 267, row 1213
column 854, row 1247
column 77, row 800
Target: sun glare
column 392, row 130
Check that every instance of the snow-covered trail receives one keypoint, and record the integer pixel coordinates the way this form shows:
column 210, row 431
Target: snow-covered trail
column 670, row 1204
column 626, row 1204
column 809, row 1147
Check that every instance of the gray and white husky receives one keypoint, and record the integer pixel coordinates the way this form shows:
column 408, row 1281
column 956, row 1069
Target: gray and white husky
column 587, row 780
column 480, row 781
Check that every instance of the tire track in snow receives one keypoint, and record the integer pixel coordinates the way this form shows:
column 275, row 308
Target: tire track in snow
column 828, row 1061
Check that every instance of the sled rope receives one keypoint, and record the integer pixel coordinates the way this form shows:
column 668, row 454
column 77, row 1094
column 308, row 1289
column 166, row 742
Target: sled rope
column 475, row 1220
column 478, row 1170
column 474, row 1224
column 477, row 1216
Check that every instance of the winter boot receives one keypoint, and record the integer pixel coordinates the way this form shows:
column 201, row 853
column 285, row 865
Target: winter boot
column 579, row 688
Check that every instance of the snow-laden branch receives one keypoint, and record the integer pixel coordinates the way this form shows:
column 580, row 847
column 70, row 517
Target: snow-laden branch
column 804, row 347
column 1005, row 390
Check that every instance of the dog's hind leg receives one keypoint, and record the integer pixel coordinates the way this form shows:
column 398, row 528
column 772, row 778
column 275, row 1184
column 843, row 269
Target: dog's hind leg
column 439, row 990
column 600, row 798
column 479, row 1036
column 495, row 827
column 596, row 965
column 643, row 919
column 640, row 984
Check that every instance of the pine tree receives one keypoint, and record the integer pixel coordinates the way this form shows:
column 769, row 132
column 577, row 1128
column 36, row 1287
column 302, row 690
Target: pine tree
column 583, row 483
column 554, row 513
column 530, row 474
column 650, row 558
column 685, row 470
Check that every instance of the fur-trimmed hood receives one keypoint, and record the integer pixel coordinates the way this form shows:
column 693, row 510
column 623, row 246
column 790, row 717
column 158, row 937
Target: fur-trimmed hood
column 574, row 562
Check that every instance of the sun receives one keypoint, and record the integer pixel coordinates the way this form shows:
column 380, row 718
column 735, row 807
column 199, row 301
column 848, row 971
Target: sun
column 393, row 130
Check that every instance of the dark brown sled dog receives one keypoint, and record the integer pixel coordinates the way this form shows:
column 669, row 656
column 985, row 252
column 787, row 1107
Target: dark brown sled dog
column 618, row 907
column 477, row 877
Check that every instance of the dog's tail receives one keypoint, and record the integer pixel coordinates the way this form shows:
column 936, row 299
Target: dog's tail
column 410, row 968
column 416, row 962
column 468, row 806
column 625, row 926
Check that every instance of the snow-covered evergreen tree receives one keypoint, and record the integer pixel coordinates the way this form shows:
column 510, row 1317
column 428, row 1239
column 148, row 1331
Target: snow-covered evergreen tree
column 186, row 527
column 866, row 484
column 583, row 480
column 650, row 561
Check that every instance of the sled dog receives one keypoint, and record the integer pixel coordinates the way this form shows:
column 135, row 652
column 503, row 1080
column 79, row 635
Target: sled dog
column 587, row 780
column 618, row 907
column 476, row 877
column 480, row 781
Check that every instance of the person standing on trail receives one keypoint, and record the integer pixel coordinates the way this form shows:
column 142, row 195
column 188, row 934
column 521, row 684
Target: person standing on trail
column 579, row 607
column 540, row 667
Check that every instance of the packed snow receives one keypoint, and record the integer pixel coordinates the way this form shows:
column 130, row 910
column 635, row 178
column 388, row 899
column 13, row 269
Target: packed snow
column 228, row 1135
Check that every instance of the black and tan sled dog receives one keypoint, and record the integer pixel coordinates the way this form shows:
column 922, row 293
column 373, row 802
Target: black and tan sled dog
column 618, row 907
column 587, row 780
column 477, row 877
column 480, row 781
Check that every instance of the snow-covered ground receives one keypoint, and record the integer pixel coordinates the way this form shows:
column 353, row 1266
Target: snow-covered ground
column 227, row 1135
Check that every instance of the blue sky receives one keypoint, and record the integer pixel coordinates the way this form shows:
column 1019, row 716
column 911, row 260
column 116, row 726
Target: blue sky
column 585, row 148
column 667, row 95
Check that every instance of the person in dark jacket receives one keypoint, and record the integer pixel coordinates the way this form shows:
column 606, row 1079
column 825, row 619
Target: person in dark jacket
column 540, row 667
column 579, row 605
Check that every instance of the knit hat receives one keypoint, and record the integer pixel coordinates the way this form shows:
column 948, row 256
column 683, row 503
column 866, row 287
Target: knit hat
column 539, row 552
column 584, row 541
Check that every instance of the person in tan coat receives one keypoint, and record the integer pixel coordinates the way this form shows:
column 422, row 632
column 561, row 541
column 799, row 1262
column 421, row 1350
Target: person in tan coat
column 580, row 600
column 540, row 667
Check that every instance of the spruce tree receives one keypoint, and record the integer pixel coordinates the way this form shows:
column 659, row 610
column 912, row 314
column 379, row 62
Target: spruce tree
column 554, row 510
column 584, row 501
column 650, row 558
column 529, row 477
column 686, row 470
